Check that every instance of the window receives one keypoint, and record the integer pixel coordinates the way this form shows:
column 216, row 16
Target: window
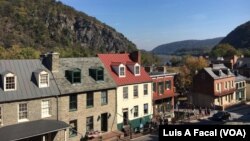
column 225, row 85
column 73, row 128
column 226, row 97
column 10, row 83
column 45, row 108
column 232, row 84
column 22, row 111
column 237, row 85
column 154, row 86
column 125, row 92
column 44, row 80
column 104, row 97
column 135, row 111
column 168, row 85
column 97, row 73
column 74, row 76
column 89, row 123
column 90, row 99
column 161, row 87
column 73, row 102
column 136, row 91
column 145, row 109
column 121, row 71
column 1, row 122
column 137, row 70
column 243, row 84
column 145, row 89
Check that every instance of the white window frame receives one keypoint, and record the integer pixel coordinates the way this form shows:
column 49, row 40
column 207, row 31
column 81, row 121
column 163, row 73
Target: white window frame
column 18, row 111
column 47, row 107
column 5, row 77
column 120, row 67
column 135, row 66
column 39, row 78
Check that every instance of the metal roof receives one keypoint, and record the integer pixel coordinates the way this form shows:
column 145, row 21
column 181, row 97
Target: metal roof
column 87, row 82
column 30, row 129
column 26, row 83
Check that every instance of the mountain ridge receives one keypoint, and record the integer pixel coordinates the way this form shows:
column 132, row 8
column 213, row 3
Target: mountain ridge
column 239, row 38
column 186, row 46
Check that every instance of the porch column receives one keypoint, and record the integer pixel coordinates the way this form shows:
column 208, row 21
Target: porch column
column 65, row 135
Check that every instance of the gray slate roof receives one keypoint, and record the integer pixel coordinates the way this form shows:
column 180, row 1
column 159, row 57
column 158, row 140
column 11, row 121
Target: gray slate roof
column 30, row 129
column 87, row 82
column 243, row 63
column 215, row 69
column 239, row 78
column 26, row 83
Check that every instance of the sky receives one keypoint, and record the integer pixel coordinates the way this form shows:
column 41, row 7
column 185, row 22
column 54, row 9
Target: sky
column 149, row 23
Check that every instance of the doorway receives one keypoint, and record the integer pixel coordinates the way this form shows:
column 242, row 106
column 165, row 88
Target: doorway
column 104, row 122
column 125, row 117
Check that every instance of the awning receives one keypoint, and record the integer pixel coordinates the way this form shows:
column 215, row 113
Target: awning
column 30, row 129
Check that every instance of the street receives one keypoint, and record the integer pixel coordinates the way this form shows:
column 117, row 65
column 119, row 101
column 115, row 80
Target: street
column 239, row 115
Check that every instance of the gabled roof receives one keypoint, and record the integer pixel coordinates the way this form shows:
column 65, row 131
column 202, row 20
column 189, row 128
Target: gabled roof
column 218, row 71
column 87, row 82
column 130, row 78
column 26, row 83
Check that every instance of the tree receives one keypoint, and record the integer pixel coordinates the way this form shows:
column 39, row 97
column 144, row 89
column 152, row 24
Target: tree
column 224, row 50
column 187, row 71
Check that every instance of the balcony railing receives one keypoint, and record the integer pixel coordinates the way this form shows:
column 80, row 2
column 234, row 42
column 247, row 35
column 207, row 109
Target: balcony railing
column 224, row 92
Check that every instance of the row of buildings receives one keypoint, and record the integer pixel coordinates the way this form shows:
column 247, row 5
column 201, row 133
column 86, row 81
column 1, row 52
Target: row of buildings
column 67, row 99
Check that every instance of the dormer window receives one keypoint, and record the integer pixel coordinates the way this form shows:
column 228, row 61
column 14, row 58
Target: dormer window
column 42, row 78
column 97, row 73
column 121, row 70
column 9, row 80
column 137, row 69
column 134, row 68
column 74, row 75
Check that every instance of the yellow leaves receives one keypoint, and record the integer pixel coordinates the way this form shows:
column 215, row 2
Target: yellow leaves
column 16, row 52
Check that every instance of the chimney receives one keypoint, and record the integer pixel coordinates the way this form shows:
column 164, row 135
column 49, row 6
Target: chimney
column 51, row 61
column 135, row 56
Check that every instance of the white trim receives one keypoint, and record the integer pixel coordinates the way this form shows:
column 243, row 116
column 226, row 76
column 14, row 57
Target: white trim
column 137, row 65
column 1, row 113
column 18, row 118
column 39, row 79
column 119, row 70
column 46, row 115
column 4, row 80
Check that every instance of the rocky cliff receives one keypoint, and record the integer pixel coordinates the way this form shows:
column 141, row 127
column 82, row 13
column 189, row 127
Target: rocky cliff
column 48, row 24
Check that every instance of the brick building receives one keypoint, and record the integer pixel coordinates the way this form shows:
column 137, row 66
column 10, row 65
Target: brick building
column 214, row 86
column 163, row 94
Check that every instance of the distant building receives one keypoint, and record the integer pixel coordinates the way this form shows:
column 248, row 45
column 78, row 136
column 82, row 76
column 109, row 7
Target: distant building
column 133, row 92
column 228, row 62
column 215, row 86
column 243, row 66
column 28, row 102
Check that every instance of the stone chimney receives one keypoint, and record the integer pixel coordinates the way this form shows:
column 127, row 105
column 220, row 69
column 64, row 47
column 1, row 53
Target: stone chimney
column 51, row 61
column 135, row 56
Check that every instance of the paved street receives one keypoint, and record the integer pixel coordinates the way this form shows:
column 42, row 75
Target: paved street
column 150, row 137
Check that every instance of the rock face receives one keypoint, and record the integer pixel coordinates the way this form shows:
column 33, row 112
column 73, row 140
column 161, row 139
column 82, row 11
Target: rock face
column 239, row 37
column 49, row 24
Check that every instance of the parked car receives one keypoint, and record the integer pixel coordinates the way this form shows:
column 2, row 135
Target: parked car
column 221, row 116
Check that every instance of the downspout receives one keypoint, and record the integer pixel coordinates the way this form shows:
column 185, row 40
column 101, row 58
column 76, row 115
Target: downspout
column 57, row 99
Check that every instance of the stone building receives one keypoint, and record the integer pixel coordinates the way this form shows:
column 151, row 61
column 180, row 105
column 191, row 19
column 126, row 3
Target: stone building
column 28, row 102
column 87, row 95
